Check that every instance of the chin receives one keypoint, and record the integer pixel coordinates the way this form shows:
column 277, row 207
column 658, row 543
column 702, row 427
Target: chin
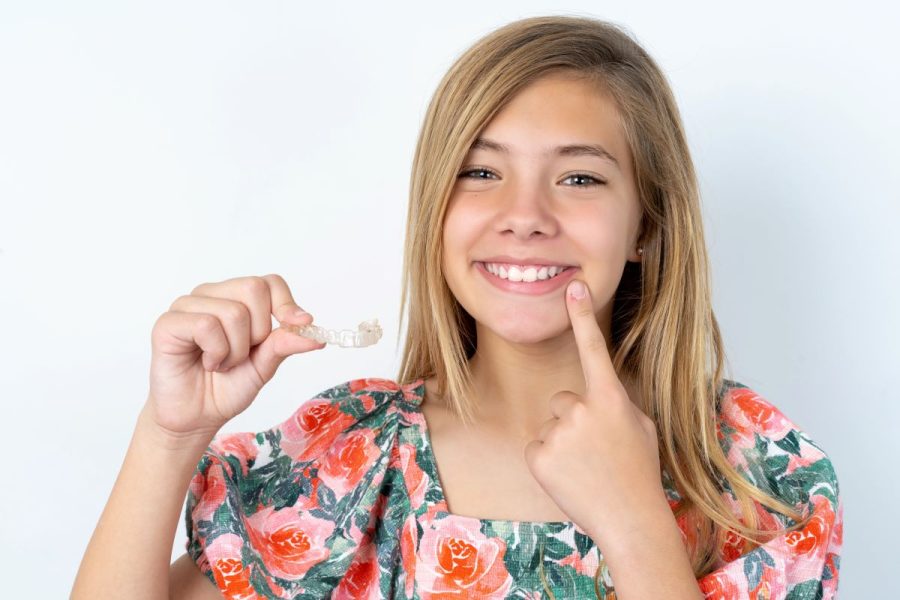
column 525, row 334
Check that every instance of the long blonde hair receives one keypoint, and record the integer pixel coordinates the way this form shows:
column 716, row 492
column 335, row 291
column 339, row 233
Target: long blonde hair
column 664, row 332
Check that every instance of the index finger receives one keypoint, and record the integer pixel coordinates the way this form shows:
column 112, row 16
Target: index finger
column 264, row 297
column 283, row 306
column 592, row 349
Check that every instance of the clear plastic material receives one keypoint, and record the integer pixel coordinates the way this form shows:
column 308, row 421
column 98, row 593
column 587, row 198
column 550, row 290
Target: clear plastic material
column 368, row 333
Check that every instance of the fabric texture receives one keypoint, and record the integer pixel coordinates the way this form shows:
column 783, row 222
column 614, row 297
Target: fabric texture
column 343, row 500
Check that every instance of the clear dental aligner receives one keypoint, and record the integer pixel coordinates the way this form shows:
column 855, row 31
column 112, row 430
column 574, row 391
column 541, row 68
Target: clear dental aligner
column 367, row 334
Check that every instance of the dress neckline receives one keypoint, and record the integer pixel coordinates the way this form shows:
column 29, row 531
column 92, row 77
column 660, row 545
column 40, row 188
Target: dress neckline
column 431, row 470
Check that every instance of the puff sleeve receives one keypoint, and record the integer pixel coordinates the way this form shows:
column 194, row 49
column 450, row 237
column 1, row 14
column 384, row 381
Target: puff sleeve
column 291, row 512
column 780, row 458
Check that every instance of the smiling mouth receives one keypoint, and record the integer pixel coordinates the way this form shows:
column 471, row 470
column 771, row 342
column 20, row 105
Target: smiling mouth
column 523, row 274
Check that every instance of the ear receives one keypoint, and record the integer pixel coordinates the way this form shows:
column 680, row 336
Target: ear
column 639, row 242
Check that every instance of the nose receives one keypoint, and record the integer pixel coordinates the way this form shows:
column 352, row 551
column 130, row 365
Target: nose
column 525, row 211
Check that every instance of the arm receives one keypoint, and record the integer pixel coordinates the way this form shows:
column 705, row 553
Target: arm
column 128, row 555
column 652, row 563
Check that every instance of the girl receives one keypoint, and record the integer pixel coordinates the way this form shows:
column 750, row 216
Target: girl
column 560, row 423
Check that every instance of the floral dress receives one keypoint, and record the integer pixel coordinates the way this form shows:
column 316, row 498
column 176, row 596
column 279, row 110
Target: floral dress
column 343, row 500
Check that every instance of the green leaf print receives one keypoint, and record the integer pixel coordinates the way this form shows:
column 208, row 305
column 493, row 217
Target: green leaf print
column 808, row 590
column 274, row 438
column 271, row 485
column 755, row 564
column 353, row 406
column 820, row 478
column 222, row 521
column 555, row 549
column 790, row 443
column 583, row 543
column 727, row 435
column 326, row 497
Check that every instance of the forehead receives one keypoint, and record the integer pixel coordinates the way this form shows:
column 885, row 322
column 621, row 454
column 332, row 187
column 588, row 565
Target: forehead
column 557, row 110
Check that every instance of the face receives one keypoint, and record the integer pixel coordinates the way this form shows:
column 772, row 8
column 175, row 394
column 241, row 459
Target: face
column 534, row 207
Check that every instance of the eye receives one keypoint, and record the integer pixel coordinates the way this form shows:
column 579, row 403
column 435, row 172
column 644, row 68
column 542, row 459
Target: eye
column 481, row 170
column 586, row 176
column 465, row 174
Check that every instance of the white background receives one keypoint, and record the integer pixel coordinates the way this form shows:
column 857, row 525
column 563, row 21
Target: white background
column 147, row 149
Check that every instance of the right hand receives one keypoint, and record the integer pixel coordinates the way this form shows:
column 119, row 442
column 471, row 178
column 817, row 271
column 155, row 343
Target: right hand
column 214, row 349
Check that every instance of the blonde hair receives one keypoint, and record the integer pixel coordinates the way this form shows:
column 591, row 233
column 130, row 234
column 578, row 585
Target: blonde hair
column 664, row 332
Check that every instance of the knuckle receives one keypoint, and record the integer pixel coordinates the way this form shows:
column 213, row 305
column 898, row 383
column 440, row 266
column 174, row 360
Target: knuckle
column 578, row 411
column 198, row 289
column 238, row 313
column 159, row 325
column 207, row 322
column 162, row 316
column 255, row 285
column 536, row 457
column 561, row 396
column 275, row 278
column 179, row 301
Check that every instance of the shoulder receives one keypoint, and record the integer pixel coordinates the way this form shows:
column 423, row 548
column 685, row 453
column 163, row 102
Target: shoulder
column 358, row 405
column 283, row 510
column 363, row 404
column 776, row 455
column 774, row 452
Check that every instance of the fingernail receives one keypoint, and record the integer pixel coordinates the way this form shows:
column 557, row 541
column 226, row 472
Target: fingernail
column 576, row 290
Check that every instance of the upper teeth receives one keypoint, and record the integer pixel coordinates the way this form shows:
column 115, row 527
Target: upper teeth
column 523, row 272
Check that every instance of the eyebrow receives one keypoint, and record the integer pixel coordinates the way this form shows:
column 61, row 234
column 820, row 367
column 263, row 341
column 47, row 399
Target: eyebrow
column 565, row 150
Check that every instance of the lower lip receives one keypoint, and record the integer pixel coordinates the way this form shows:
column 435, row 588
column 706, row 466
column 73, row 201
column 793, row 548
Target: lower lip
column 534, row 288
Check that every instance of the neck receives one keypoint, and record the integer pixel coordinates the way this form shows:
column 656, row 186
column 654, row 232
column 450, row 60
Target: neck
column 513, row 382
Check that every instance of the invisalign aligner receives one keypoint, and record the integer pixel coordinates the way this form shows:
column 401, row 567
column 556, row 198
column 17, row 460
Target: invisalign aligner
column 368, row 333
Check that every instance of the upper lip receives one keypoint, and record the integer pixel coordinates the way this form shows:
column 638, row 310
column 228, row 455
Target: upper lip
column 528, row 260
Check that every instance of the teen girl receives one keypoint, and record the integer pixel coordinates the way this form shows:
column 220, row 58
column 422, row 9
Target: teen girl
column 560, row 423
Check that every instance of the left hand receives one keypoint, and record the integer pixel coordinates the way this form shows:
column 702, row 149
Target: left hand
column 598, row 457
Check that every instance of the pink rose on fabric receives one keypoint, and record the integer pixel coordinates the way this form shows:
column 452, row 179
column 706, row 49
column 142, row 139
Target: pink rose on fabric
column 288, row 541
column 240, row 445
column 347, row 460
column 408, row 535
column 373, row 384
column 808, row 545
column 748, row 412
column 720, row 585
column 362, row 579
column 456, row 560
column 733, row 546
column 210, row 492
column 416, row 481
column 232, row 577
column 312, row 429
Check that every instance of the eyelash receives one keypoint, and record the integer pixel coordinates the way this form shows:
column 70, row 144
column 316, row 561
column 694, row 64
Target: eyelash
column 585, row 175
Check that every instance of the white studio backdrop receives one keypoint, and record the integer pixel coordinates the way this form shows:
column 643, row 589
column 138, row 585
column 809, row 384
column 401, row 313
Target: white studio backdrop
column 148, row 148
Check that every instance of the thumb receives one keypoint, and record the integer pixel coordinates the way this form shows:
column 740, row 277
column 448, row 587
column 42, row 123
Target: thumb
column 282, row 342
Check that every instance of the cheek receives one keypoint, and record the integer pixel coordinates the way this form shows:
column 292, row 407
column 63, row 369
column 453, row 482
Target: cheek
column 454, row 240
column 462, row 222
column 599, row 233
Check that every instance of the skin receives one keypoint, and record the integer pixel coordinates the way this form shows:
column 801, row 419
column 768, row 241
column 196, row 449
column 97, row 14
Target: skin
column 532, row 206
column 543, row 368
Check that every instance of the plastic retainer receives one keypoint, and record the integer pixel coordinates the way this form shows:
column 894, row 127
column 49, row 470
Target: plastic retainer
column 368, row 333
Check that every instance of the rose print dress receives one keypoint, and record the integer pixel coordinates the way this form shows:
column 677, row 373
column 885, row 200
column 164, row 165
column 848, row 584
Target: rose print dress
column 343, row 500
